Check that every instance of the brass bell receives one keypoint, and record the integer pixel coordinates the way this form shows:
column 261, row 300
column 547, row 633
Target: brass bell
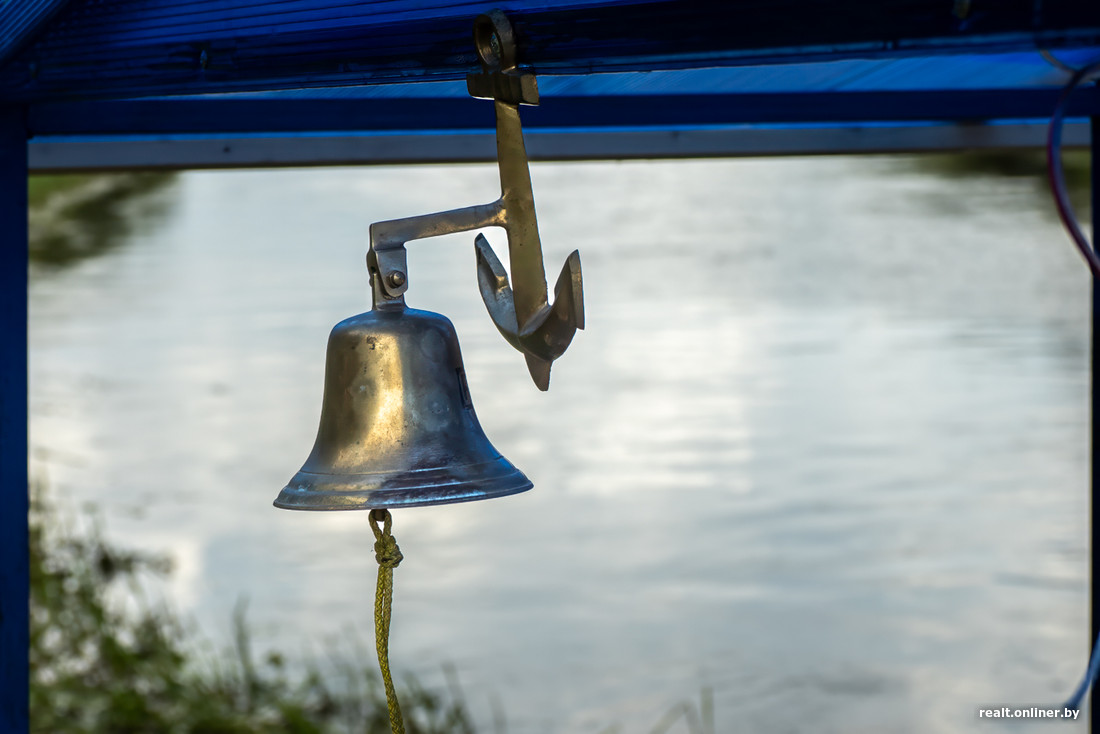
column 397, row 425
column 398, row 428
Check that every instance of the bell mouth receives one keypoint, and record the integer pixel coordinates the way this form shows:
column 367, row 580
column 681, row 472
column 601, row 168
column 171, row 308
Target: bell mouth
column 326, row 492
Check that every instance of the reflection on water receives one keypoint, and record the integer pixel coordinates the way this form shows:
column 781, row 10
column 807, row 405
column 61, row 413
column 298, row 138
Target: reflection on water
column 981, row 165
column 86, row 216
column 984, row 164
column 822, row 447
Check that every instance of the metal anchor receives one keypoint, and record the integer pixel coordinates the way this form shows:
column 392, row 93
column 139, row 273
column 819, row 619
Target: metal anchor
column 520, row 310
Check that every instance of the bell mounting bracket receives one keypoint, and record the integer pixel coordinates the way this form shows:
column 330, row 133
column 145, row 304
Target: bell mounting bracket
column 519, row 308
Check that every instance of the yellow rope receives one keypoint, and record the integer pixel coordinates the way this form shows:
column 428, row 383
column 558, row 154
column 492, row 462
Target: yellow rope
column 388, row 556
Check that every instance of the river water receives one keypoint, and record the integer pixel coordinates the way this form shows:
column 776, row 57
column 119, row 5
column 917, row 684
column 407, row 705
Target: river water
column 822, row 448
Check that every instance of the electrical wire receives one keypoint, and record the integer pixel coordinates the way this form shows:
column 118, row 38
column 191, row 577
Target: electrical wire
column 1078, row 696
column 1056, row 175
column 1056, row 62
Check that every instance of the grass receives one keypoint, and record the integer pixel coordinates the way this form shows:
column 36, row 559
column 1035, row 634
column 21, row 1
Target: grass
column 105, row 658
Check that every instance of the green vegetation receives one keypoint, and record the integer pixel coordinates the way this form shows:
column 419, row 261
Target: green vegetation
column 41, row 188
column 106, row 659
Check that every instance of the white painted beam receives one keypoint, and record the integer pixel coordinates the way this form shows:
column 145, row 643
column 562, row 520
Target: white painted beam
column 62, row 154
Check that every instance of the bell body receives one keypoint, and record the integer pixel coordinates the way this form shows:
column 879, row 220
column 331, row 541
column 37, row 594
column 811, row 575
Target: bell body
column 398, row 428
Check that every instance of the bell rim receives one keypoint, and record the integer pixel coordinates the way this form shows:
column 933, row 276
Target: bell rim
column 437, row 492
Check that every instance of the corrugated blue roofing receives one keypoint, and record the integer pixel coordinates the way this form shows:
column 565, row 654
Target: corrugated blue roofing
column 114, row 49
column 1021, row 71
column 21, row 21
column 942, row 88
column 205, row 67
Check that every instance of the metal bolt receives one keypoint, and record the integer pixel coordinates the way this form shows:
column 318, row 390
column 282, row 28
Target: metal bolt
column 395, row 278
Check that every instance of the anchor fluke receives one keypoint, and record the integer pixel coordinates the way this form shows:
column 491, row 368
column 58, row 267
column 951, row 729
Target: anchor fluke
column 569, row 290
column 549, row 331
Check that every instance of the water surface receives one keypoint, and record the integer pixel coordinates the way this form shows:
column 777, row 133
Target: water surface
column 823, row 446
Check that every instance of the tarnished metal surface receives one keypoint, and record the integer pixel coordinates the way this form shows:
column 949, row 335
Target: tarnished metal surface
column 398, row 427
column 519, row 309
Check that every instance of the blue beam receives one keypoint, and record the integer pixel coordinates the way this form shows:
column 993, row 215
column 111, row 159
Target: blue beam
column 1094, row 524
column 14, row 559
column 67, row 154
column 132, row 48
column 304, row 114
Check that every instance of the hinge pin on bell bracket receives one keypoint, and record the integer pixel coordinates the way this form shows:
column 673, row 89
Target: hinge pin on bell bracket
column 520, row 310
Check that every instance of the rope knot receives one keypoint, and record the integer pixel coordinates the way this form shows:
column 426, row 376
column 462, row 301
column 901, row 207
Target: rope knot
column 386, row 552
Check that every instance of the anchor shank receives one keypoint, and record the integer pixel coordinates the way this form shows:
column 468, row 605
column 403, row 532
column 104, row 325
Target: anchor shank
column 524, row 246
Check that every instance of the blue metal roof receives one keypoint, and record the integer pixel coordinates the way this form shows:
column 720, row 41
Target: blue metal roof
column 21, row 22
column 185, row 70
column 130, row 48
column 968, row 87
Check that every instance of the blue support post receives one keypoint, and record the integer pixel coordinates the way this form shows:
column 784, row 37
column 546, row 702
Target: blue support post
column 14, row 552
column 1094, row 700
